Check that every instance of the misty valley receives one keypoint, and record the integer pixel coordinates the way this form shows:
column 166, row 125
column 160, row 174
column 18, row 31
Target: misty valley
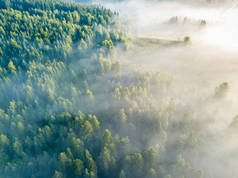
column 118, row 89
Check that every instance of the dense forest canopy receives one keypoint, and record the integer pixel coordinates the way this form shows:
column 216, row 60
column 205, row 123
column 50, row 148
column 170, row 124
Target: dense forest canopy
column 70, row 108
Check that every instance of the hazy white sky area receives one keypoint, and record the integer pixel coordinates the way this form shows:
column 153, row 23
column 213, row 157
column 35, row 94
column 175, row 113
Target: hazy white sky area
column 148, row 16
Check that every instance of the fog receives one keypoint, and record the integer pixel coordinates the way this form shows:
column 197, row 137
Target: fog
column 179, row 69
column 198, row 69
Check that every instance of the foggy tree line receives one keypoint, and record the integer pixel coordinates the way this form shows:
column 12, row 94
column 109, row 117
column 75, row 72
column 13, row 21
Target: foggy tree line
column 68, row 108
column 32, row 29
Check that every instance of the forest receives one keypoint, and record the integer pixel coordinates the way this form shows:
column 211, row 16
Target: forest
column 71, row 108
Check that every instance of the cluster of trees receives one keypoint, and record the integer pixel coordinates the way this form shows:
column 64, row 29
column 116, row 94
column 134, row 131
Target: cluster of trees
column 68, row 109
column 46, row 30
column 185, row 20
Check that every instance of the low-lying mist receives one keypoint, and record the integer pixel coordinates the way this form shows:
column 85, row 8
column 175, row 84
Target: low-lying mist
column 148, row 92
column 204, row 70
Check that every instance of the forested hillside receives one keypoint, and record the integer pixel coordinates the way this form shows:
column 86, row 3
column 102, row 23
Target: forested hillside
column 69, row 108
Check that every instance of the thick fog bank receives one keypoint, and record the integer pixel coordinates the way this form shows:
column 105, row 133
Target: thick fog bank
column 205, row 67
